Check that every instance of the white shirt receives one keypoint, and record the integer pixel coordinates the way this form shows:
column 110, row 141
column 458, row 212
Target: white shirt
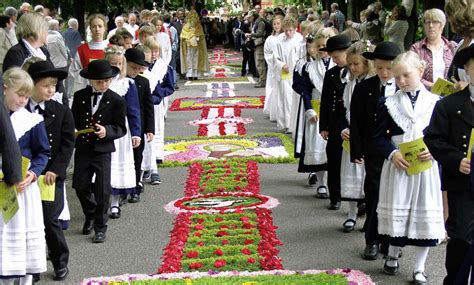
column 96, row 107
column 390, row 87
column 33, row 105
column 438, row 63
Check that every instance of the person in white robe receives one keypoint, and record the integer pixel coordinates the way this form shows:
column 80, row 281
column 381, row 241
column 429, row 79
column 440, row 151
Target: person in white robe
column 269, row 50
column 290, row 48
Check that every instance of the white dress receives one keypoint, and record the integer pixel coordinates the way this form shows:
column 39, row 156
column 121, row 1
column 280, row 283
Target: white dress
column 315, row 145
column 22, row 239
column 352, row 174
column 288, row 51
column 122, row 167
column 154, row 150
column 270, row 87
column 410, row 206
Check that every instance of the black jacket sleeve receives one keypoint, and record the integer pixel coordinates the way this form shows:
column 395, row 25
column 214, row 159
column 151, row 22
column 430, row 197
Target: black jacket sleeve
column 9, row 149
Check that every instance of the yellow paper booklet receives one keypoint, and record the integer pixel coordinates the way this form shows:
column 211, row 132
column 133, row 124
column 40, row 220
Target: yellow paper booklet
column 316, row 104
column 285, row 75
column 443, row 87
column 84, row 131
column 8, row 202
column 47, row 191
column 346, row 146
column 410, row 151
column 471, row 142
column 25, row 165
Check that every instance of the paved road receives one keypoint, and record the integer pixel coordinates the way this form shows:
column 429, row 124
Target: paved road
column 311, row 234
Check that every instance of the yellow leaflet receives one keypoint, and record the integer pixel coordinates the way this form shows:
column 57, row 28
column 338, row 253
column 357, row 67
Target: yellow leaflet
column 443, row 87
column 471, row 141
column 189, row 281
column 316, row 105
column 346, row 146
column 410, row 152
column 285, row 75
column 47, row 191
column 25, row 165
column 84, row 131
column 8, row 202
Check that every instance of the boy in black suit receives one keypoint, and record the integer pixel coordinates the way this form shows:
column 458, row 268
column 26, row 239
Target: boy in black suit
column 365, row 100
column 447, row 138
column 136, row 64
column 99, row 114
column 331, row 113
column 60, row 128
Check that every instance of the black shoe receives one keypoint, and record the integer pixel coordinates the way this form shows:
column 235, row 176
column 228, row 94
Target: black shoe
column 361, row 209
column 61, row 274
column 99, row 237
column 87, row 227
column 371, row 252
column 390, row 270
column 312, row 179
column 334, row 206
column 36, row 277
column 347, row 227
column 321, row 194
column 115, row 215
column 134, row 198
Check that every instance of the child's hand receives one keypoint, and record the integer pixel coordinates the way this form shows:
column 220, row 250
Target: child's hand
column 345, row 134
column 465, row 166
column 50, row 178
column 101, row 132
column 136, row 142
column 285, row 68
column 314, row 119
column 30, row 176
column 399, row 161
column 424, row 155
column 324, row 134
column 149, row 136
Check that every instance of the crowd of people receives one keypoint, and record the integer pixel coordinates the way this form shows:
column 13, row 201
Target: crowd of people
column 350, row 100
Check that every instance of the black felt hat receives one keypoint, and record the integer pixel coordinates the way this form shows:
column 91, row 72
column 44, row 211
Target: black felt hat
column 44, row 68
column 136, row 56
column 463, row 56
column 338, row 42
column 99, row 69
column 384, row 50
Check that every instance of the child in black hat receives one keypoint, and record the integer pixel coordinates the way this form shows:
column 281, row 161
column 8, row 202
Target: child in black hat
column 60, row 128
column 331, row 113
column 136, row 65
column 363, row 117
column 447, row 138
column 99, row 116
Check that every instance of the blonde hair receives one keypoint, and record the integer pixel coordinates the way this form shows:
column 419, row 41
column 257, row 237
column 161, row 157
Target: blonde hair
column 326, row 33
column 352, row 34
column 31, row 26
column 146, row 30
column 314, row 27
column 289, row 22
column 410, row 58
column 152, row 43
column 358, row 49
column 18, row 80
column 114, row 50
column 435, row 15
column 461, row 14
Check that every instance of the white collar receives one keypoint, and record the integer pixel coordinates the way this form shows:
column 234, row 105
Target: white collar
column 471, row 90
column 33, row 105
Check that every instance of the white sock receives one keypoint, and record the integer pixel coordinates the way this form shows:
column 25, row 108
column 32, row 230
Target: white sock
column 26, row 280
column 115, row 203
column 421, row 255
column 321, row 181
column 352, row 211
column 155, row 171
column 393, row 252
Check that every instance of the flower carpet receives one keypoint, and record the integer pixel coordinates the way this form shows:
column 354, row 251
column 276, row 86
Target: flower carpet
column 221, row 121
column 197, row 103
column 239, row 80
column 265, row 148
column 223, row 232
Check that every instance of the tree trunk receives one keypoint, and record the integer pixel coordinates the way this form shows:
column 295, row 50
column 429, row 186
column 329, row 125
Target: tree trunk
column 350, row 10
column 78, row 13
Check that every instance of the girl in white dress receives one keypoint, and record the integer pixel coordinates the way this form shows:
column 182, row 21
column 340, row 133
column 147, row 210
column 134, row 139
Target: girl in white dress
column 269, row 50
column 353, row 174
column 290, row 48
column 22, row 239
column 308, row 79
column 122, row 168
column 410, row 207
